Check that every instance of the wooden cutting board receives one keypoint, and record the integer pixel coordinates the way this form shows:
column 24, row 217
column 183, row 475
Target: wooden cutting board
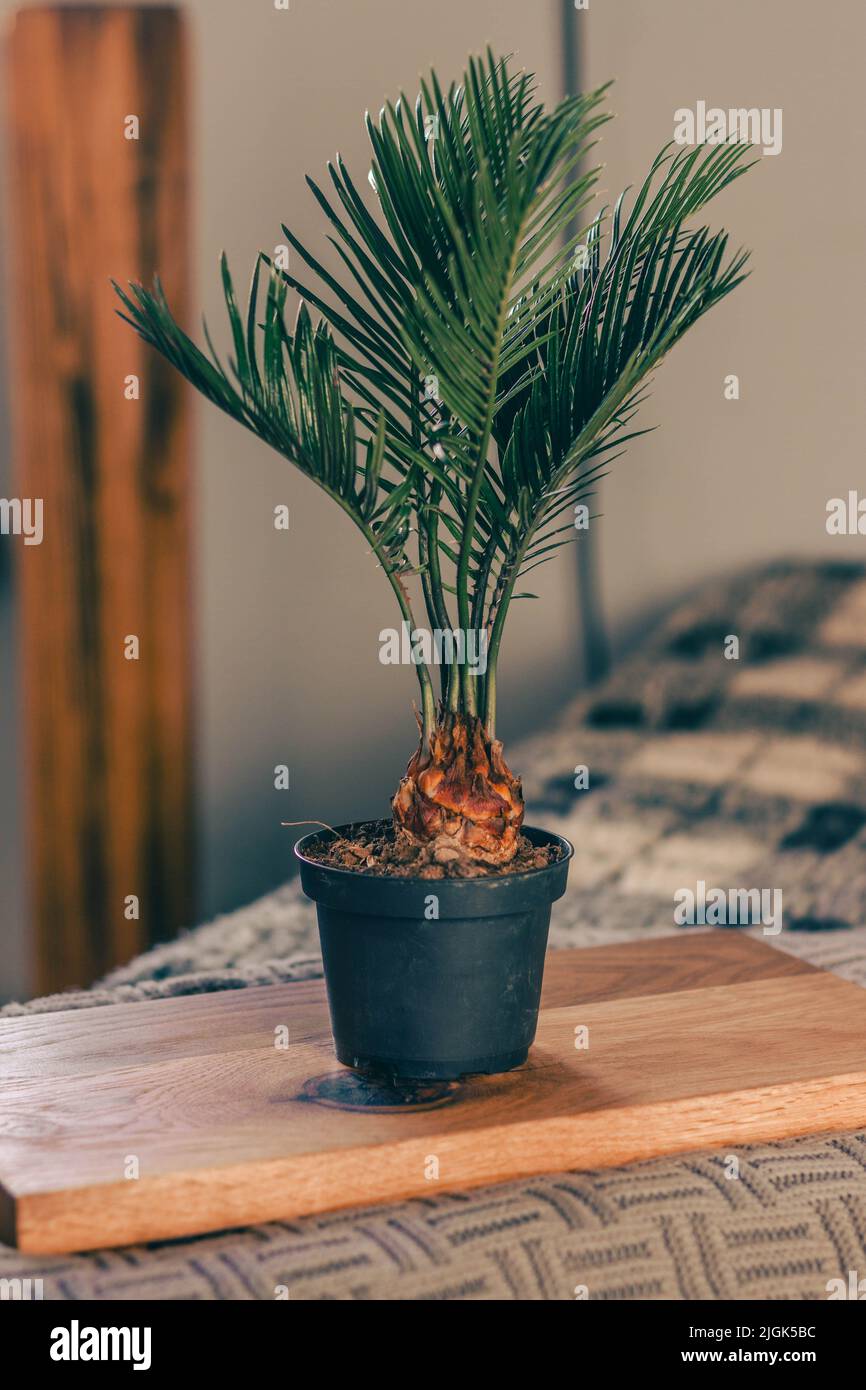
column 139, row 1122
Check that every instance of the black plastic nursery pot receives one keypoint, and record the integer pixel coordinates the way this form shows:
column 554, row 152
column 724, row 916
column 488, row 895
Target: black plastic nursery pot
column 433, row 979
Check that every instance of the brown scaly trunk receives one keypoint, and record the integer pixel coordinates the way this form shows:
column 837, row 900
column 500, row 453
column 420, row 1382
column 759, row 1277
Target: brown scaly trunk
column 459, row 797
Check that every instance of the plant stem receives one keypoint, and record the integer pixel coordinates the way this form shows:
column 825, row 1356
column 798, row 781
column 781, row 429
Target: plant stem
column 468, row 689
column 428, row 695
column 428, row 527
column 490, row 701
column 464, row 614
column 493, row 650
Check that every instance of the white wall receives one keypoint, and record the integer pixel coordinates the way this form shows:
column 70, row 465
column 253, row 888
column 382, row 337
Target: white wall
column 723, row 484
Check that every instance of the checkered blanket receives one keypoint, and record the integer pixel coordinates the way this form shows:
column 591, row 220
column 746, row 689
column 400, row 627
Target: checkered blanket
column 737, row 764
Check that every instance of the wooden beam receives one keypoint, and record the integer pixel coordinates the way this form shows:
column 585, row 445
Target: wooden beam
column 108, row 751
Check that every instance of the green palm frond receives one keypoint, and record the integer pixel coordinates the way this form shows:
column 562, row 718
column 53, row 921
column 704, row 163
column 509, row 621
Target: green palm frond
column 475, row 365
column 284, row 387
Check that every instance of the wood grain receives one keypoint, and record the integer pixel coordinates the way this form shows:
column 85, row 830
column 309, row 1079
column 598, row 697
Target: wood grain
column 743, row 1043
column 108, row 749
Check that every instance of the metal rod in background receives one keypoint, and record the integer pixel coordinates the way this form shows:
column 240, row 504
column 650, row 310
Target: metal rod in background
column 595, row 642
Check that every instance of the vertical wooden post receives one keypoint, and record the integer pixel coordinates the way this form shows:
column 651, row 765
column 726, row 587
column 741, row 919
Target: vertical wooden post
column 99, row 189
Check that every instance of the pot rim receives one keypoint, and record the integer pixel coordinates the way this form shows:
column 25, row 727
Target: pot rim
column 453, row 883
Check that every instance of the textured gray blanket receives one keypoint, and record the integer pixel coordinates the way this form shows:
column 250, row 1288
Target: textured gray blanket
column 738, row 772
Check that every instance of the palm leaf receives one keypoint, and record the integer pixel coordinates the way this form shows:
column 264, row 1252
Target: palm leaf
column 458, row 269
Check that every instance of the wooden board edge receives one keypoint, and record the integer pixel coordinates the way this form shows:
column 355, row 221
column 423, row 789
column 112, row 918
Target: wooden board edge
column 126, row 1213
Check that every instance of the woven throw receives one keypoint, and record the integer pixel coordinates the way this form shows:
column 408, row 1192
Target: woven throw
column 739, row 770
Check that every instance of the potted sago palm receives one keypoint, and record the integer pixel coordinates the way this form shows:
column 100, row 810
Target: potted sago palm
column 457, row 389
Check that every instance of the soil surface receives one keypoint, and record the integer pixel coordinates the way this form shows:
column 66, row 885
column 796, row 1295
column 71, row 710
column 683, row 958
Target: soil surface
column 374, row 848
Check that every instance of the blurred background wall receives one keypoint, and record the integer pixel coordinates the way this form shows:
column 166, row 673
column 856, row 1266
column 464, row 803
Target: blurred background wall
column 724, row 484
column 287, row 651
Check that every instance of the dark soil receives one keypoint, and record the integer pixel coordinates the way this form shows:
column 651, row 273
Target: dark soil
column 373, row 848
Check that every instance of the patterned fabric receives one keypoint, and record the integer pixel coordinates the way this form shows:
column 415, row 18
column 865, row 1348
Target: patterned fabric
column 744, row 772
column 674, row 1229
